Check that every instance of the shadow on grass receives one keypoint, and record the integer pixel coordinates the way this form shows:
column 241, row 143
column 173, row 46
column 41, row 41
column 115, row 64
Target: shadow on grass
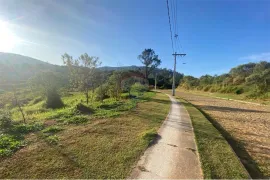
column 228, row 109
column 110, row 106
column 238, row 147
column 160, row 101
column 155, row 140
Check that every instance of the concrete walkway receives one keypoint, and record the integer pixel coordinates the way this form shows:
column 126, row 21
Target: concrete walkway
column 174, row 155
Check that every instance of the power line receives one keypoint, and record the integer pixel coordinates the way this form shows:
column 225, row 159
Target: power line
column 170, row 22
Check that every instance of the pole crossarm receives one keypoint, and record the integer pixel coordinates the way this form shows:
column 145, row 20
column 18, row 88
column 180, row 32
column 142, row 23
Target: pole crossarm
column 182, row 55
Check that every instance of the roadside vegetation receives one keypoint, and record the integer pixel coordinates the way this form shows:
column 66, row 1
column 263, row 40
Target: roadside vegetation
column 249, row 81
column 217, row 157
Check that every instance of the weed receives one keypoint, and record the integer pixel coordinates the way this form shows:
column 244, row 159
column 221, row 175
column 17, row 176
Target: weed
column 149, row 135
column 5, row 121
column 53, row 139
column 52, row 129
column 81, row 108
column 8, row 144
column 76, row 120
column 26, row 128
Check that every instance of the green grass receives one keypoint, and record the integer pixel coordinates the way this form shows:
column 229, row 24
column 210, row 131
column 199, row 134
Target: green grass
column 108, row 108
column 105, row 148
column 217, row 157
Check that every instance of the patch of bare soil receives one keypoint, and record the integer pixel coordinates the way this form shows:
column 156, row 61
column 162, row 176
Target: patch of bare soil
column 248, row 124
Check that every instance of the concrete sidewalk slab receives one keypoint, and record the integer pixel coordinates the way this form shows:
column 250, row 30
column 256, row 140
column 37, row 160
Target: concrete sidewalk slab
column 174, row 155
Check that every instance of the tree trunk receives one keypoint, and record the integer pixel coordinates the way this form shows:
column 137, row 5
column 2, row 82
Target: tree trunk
column 146, row 72
column 19, row 106
column 86, row 95
column 155, row 81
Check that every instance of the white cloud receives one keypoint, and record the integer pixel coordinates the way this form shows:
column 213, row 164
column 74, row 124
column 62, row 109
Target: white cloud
column 257, row 57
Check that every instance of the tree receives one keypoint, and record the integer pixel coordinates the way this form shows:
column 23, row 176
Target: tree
column 189, row 82
column 126, row 84
column 150, row 61
column 82, row 72
column 48, row 83
column 114, row 84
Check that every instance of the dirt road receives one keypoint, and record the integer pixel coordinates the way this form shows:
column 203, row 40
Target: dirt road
column 174, row 155
column 249, row 124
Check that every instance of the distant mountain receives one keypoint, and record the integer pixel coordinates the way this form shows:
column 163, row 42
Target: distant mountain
column 108, row 68
column 16, row 69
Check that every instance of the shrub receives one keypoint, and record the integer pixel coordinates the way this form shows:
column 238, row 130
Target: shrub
column 26, row 128
column 5, row 121
column 207, row 88
column 139, row 88
column 53, row 100
column 8, row 144
column 82, row 109
column 239, row 91
column 52, row 139
column 52, row 129
column 149, row 135
column 37, row 100
column 76, row 120
column 101, row 92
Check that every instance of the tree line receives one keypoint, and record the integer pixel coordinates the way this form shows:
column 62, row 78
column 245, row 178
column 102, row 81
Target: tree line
column 85, row 76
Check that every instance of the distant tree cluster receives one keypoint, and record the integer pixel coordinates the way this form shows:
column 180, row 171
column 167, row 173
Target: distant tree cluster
column 252, row 77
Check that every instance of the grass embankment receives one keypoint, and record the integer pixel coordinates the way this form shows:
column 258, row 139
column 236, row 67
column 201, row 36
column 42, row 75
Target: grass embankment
column 217, row 157
column 241, row 97
column 101, row 148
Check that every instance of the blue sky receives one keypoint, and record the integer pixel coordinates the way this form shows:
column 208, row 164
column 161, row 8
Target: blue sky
column 216, row 34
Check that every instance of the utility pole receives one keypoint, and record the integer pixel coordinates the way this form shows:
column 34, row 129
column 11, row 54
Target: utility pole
column 155, row 81
column 174, row 69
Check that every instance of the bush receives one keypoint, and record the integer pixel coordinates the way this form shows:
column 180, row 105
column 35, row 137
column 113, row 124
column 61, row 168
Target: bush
column 52, row 129
column 239, row 91
column 207, row 88
column 101, row 92
column 8, row 144
column 37, row 100
column 149, row 135
column 5, row 121
column 53, row 100
column 139, row 88
column 52, row 139
column 82, row 109
column 76, row 120
column 26, row 128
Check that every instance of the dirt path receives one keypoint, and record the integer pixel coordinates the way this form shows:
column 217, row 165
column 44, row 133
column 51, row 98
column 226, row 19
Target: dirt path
column 248, row 123
column 174, row 154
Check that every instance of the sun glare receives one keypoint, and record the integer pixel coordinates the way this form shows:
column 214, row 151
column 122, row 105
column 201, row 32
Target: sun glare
column 7, row 38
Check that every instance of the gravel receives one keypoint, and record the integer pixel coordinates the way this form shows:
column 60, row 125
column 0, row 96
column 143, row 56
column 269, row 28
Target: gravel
column 249, row 124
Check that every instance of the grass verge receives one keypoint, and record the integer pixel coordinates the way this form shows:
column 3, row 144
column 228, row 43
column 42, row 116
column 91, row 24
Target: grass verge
column 105, row 148
column 217, row 157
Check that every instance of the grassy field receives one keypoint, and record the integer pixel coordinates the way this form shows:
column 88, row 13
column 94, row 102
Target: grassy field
column 106, row 146
column 217, row 158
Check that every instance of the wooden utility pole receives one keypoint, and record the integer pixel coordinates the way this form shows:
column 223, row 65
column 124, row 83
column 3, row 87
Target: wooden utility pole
column 174, row 69
column 155, row 81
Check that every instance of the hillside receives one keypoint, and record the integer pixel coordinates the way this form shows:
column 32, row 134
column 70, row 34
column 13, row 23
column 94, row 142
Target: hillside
column 16, row 59
column 16, row 69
